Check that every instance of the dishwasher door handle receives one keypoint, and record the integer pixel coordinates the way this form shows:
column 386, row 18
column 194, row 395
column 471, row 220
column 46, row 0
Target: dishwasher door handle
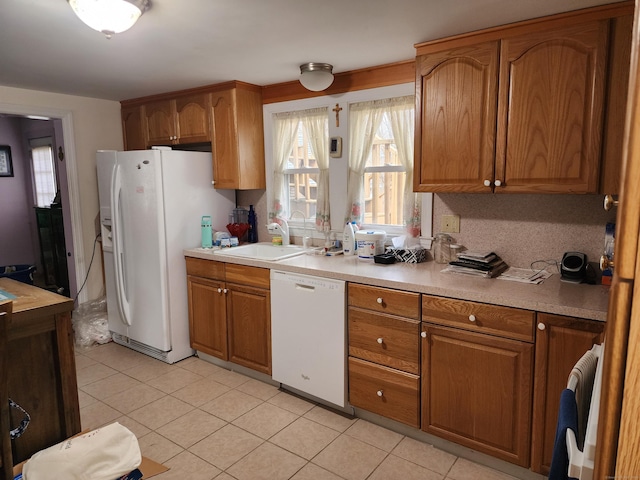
column 308, row 288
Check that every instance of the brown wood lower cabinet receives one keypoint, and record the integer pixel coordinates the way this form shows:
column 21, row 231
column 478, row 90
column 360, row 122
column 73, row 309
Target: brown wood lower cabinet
column 476, row 391
column 386, row 391
column 230, row 312
column 560, row 342
column 248, row 321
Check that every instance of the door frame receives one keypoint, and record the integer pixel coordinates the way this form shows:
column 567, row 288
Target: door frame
column 72, row 193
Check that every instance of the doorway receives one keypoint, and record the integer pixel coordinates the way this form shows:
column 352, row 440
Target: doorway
column 63, row 139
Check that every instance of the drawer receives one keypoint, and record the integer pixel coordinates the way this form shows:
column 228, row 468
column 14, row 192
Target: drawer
column 205, row 268
column 245, row 275
column 385, row 391
column 385, row 300
column 479, row 317
column 384, row 339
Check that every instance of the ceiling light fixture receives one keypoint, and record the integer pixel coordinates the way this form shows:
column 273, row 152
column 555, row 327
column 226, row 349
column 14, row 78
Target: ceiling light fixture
column 109, row 16
column 316, row 76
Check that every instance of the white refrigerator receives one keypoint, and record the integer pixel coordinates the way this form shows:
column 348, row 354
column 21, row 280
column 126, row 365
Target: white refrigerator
column 151, row 204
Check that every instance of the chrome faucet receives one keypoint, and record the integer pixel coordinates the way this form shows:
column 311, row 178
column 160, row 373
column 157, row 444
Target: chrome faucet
column 305, row 238
column 280, row 229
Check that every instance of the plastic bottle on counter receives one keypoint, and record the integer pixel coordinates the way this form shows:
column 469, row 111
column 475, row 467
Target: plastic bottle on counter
column 354, row 225
column 205, row 227
column 253, row 230
column 348, row 240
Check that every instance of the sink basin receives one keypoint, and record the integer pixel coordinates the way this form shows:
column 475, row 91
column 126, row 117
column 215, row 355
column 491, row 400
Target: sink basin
column 262, row 251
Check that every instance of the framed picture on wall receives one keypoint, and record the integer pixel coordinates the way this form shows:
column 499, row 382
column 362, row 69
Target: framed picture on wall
column 6, row 167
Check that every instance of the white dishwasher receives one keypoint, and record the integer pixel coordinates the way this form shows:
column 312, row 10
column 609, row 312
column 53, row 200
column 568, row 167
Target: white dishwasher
column 308, row 335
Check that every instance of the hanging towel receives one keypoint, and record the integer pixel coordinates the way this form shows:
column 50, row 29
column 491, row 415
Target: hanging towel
column 567, row 418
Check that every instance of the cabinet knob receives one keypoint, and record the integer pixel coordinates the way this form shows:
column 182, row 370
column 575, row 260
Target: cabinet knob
column 380, row 341
column 609, row 202
column 487, row 183
column 497, row 183
column 541, row 326
column 379, row 393
column 472, row 318
column 213, row 182
column 423, row 334
column 605, row 262
column 379, row 300
column 219, row 290
column 225, row 290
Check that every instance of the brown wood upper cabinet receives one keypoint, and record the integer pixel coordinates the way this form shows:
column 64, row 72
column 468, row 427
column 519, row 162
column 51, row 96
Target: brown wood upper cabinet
column 228, row 115
column 238, row 137
column 456, row 94
column 522, row 108
column 133, row 128
column 180, row 120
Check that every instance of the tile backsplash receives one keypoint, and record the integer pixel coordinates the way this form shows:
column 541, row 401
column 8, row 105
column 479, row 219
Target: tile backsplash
column 525, row 228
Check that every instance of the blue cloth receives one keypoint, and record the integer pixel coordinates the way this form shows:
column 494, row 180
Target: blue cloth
column 567, row 418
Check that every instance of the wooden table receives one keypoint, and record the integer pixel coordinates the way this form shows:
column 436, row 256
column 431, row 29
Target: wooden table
column 41, row 367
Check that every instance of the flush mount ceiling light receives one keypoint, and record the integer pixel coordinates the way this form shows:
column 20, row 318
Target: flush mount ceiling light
column 109, row 16
column 316, row 76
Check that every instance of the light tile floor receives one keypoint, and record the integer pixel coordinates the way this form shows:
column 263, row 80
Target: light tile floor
column 205, row 422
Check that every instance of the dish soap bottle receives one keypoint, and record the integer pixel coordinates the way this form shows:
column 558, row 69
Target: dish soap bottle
column 253, row 231
column 348, row 240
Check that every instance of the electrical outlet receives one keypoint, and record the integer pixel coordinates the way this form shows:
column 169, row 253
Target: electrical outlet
column 450, row 224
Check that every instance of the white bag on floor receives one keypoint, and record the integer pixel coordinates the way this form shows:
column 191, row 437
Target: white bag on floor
column 106, row 453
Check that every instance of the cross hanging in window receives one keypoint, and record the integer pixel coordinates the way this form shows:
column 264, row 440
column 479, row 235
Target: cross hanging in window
column 338, row 109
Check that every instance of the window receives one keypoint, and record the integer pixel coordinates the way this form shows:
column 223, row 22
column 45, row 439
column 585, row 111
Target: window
column 302, row 176
column 388, row 202
column 301, row 163
column 44, row 177
column 381, row 163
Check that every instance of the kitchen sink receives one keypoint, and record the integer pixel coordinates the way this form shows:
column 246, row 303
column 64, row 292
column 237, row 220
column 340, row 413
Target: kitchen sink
column 262, row 251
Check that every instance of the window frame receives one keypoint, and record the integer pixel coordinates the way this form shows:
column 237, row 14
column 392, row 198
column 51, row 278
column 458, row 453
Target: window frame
column 339, row 167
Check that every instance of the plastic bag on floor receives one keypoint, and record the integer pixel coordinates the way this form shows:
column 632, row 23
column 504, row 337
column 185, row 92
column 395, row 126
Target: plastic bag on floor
column 90, row 323
column 102, row 454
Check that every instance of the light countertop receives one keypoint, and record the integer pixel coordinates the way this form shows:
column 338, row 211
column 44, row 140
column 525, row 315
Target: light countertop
column 552, row 296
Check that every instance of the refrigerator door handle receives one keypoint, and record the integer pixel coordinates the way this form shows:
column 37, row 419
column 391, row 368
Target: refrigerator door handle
column 118, row 251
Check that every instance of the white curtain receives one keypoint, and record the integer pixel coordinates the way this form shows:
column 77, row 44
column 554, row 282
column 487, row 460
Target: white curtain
column 316, row 124
column 285, row 129
column 364, row 120
column 401, row 113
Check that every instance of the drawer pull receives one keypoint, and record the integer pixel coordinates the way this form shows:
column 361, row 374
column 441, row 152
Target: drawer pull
column 380, row 340
column 423, row 334
column 541, row 326
column 379, row 300
column 379, row 393
column 472, row 318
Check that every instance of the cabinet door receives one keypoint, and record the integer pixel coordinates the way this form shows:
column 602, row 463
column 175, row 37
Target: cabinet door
column 249, row 323
column 560, row 342
column 456, row 94
column 476, row 391
column 224, row 144
column 160, row 120
column 193, row 118
column 617, row 86
column 133, row 130
column 550, row 110
column 207, row 316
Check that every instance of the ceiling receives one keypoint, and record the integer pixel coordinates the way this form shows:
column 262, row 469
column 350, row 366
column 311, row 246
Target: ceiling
column 180, row 44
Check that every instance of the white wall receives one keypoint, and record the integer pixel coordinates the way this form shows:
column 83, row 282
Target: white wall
column 96, row 126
